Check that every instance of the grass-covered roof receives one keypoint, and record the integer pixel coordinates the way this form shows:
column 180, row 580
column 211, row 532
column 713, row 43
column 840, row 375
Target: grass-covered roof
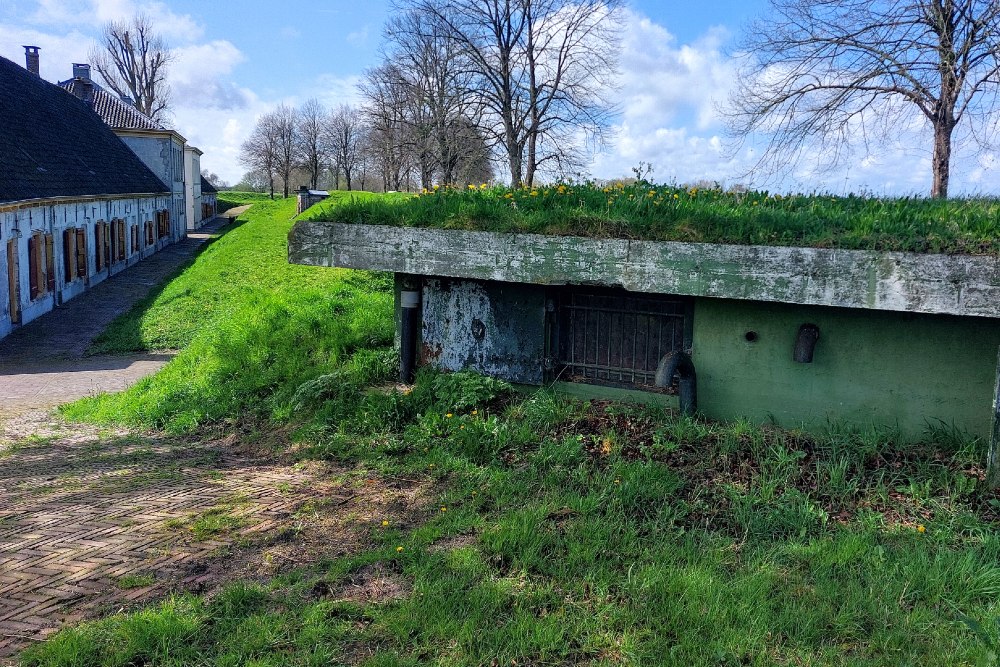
column 669, row 213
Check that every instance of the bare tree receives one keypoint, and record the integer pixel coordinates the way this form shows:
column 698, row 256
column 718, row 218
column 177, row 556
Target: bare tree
column 133, row 60
column 386, row 108
column 344, row 130
column 440, row 103
column 270, row 149
column 259, row 153
column 826, row 72
column 282, row 126
column 542, row 71
column 310, row 144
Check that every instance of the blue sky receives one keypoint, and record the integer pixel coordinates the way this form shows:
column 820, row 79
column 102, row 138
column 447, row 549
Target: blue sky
column 235, row 61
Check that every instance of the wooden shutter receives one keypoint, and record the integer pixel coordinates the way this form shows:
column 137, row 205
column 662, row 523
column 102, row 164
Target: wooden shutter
column 34, row 282
column 118, row 244
column 13, row 283
column 69, row 255
column 50, row 263
column 98, row 246
column 81, row 252
column 107, row 244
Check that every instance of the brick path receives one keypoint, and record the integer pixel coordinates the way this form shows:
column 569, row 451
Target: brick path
column 79, row 509
column 67, row 331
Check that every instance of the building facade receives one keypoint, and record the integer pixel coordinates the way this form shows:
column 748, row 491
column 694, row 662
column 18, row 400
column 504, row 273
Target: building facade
column 77, row 205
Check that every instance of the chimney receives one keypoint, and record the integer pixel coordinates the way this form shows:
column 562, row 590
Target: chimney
column 83, row 87
column 31, row 59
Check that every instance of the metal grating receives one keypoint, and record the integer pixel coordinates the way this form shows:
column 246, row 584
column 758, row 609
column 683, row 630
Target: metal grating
column 616, row 338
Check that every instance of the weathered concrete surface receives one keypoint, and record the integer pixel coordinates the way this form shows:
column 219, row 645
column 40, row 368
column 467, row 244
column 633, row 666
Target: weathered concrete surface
column 495, row 328
column 909, row 282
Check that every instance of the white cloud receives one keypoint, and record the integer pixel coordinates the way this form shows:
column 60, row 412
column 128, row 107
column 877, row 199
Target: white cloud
column 669, row 96
column 358, row 37
column 175, row 28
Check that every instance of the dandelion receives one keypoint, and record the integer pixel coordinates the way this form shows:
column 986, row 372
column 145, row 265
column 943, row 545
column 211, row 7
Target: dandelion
column 449, row 415
column 483, row 186
column 676, row 196
column 444, row 509
column 921, row 529
column 534, row 193
column 618, row 481
column 399, row 549
column 651, row 194
column 462, row 427
column 431, row 465
column 384, row 523
column 508, row 196
column 475, row 412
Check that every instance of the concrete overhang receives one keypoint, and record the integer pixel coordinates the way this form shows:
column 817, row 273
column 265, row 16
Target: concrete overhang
column 908, row 282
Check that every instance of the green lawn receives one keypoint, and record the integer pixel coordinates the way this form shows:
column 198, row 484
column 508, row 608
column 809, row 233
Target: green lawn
column 667, row 213
column 565, row 532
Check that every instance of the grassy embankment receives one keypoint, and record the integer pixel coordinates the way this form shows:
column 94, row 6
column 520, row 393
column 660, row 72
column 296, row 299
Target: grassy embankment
column 250, row 327
column 566, row 532
column 666, row 213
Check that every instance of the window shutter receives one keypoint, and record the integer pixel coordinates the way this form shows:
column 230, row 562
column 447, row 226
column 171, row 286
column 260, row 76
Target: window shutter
column 33, row 289
column 98, row 248
column 13, row 285
column 107, row 244
column 69, row 255
column 81, row 252
column 50, row 263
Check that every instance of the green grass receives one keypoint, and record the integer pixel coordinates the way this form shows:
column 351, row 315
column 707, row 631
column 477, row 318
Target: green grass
column 130, row 581
column 610, row 534
column 251, row 327
column 232, row 198
column 667, row 213
column 601, row 533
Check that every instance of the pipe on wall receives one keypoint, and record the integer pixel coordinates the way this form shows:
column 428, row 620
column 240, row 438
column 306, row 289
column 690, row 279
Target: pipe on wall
column 679, row 364
column 409, row 302
column 805, row 344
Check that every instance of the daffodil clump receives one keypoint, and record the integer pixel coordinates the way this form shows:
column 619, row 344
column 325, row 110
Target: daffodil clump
column 709, row 215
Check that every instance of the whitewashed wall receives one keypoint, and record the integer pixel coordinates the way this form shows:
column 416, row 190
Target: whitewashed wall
column 54, row 218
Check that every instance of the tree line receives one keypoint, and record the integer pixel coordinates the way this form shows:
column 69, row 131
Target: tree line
column 463, row 87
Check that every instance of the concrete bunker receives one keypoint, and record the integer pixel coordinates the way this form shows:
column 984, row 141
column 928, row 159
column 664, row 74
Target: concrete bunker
column 802, row 337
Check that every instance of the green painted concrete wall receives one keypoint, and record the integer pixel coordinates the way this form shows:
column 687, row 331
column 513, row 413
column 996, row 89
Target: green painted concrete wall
column 870, row 367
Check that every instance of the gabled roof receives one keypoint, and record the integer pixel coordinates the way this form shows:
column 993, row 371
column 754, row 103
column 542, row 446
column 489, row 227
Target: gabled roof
column 54, row 145
column 206, row 186
column 114, row 111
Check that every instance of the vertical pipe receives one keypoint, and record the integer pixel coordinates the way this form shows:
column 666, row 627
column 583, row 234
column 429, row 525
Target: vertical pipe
column 993, row 458
column 409, row 302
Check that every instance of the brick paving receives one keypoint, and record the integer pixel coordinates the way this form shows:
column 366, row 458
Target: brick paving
column 81, row 508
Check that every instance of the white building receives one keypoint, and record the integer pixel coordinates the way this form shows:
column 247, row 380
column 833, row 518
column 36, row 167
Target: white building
column 76, row 203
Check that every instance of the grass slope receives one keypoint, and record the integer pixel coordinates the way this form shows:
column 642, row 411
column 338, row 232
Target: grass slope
column 251, row 326
column 665, row 213
column 566, row 532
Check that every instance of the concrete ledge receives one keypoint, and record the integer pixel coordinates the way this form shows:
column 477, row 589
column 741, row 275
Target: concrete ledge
column 909, row 282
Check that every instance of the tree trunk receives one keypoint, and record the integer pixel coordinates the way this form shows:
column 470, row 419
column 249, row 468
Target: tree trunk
column 941, row 162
